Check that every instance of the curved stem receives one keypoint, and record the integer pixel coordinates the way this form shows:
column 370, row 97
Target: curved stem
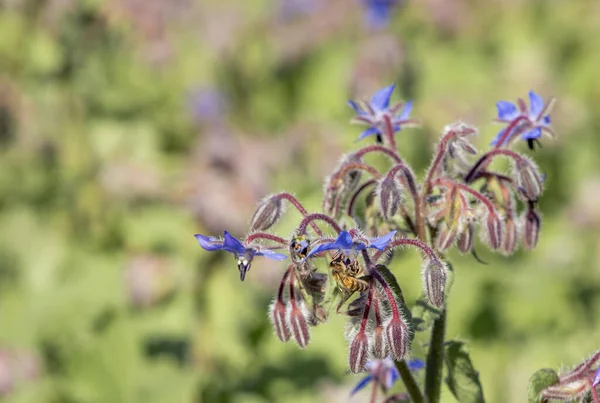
column 320, row 217
column 355, row 166
column 378, row 148
column 450, row 184
column 411, row 242
column 506, row 135
column 483, row 162
column 350, row 207
column 290, row 198
column 435, row 360
column 264, row 235
column 389, row 130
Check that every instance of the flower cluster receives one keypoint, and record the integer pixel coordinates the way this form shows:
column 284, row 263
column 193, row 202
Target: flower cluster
column 373, row 211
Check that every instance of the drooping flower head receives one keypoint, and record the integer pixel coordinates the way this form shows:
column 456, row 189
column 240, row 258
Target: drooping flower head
column 378, row 114
column 348, row 245
column 243, row 254
column 528, row 123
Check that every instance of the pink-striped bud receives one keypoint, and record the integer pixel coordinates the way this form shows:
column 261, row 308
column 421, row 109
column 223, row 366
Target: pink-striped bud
column 465, row 239
column 267, row 214
column 532, row 223
column 446, row 236
column 511, row 236
column 390, row 195
column 299, row 325
column 380, row 347
column 397, row 336
column 277, row 313
column 435, row 274
column 359, row 349
column 494, row 230
column 528, row 179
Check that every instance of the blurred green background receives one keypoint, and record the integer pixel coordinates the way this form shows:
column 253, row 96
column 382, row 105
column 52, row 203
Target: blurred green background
column 127, row 126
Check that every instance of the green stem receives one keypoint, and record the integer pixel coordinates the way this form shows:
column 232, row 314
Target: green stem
column 409, row 381
column 435, row 360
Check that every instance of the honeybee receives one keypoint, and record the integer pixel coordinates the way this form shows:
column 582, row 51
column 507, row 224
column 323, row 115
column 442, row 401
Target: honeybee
column 344, row 271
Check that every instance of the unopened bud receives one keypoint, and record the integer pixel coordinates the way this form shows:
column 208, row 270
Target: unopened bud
column 380, row 347
column 359, row 349
column 435, row 274
column 494, row 230
column 390, row 195
column 539, row 381
column 277, row 316
column 267, row 214
column 465, row 239
column 446, row 236
column 511, row 236
column 397, row 336
column 528, row 179
column 531, row 228
column 299, row 325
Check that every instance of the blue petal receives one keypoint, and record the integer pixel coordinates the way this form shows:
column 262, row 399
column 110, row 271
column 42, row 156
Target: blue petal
column 369, row 132
column 343, row 242
column 406, row 111
column 381, row 100
column 356, row 108
column 391, row 377
column 381, row 242
column 506, row 110
column 209, row 243
column 536, row 104
column 596, row 378
column 496, row 139
column 271, row 255
column 532, row 134
column 232, row 244
column 546, row 120
column 364, row 382
column 416, row 364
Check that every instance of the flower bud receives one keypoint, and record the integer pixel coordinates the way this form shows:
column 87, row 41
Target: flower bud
column 299, row 325
column 446, row 236
column 397, row 336
column 267, row 214
column 494, row 230
column 539, row 381
column 435, row 274
column 359, row 349
column 465, row 239
column 511, row 236
column 380, row 347
column 390, row 195
column 277, row 316
column 531, row 228
column 528, row 179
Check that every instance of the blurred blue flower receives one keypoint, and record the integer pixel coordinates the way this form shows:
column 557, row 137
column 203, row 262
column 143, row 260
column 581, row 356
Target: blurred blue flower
column 232, row 245
column 289, row 9
column 378, row 12
column 346, row 244
column 206, row 104
column 531, row 121
column 384, row 373
column 596, row 380
column 375, row 112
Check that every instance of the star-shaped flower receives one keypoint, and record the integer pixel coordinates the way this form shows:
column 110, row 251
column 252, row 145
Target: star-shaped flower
column 348, row 245
column 243, row 254
column 378, row 114
column 384, row 373
column 529, row 123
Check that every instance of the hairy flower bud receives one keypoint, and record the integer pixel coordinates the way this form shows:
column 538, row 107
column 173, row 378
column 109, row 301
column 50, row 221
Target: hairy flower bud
column 434, row 274
column 380, row 347
column 465, row 239
column 494, row 230
column 532, row 223
column 528, row 179
column 397, row 336
column 359, row 349
column 511, row 236
column 299, row 325
column 277, row 313
column 390, row 195
column 267, row 214
column 446, row 236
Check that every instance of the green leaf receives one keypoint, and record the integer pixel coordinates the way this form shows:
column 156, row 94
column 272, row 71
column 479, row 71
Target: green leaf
column 423, row 314
column 539, row 381
column 463, row 379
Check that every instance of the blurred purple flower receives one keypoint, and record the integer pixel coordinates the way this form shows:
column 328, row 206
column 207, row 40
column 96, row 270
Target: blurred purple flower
column 378, row 12
column 290, row 9
column 243, row 254
column 384, row 373
column 527, row 122
column 206, row 104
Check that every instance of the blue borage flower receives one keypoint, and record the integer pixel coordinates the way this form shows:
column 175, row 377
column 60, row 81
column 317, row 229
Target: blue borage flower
column 243, row 254
column 378, row 12
column 375, row 112
column 347, row 245
column 384, row 373
column 532, row 121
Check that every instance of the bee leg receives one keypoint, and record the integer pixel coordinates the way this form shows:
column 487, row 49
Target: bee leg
column 350, row 312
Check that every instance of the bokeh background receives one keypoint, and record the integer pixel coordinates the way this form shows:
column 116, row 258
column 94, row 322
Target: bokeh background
column 127, row 126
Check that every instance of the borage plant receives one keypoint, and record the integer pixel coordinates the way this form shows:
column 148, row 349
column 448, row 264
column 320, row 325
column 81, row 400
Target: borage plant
column 461, row 196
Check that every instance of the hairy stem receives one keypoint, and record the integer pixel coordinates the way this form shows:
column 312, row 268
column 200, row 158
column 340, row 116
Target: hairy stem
column 409, row 381
column 264, row 235
column 435, row 359
column 506, row 135
column 380, row 149
column 296, row 203
column 309, row 219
